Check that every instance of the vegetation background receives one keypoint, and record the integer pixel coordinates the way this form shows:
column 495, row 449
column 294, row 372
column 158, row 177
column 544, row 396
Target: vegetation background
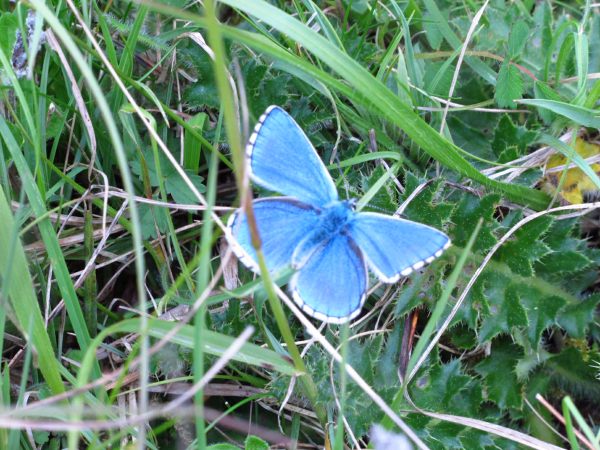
column 124, row 321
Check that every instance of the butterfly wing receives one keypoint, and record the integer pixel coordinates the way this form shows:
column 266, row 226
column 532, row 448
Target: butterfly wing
column 281, row 222
column 395, row 247
column 283, row 160
column 332, row 285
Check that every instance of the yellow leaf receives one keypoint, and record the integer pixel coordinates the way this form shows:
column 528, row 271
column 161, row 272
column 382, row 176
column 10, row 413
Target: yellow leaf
column 576, row 187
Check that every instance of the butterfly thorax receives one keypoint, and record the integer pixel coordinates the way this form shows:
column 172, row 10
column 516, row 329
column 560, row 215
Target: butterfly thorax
column 334, row 217
column 333, row 220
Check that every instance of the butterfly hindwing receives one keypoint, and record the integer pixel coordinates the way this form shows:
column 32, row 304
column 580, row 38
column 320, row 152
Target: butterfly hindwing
column 283, row 160
column 395, row 247
column 282, row 223
column 332, row 285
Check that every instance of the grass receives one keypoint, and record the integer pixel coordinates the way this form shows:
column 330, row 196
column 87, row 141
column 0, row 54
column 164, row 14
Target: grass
column 126, row 321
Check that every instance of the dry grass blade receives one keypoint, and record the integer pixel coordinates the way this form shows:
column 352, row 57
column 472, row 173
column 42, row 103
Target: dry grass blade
column 561, row 419
column 85, row 116
column 461, row 58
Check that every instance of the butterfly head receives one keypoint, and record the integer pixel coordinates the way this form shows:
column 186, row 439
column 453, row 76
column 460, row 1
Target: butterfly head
column 351, row 202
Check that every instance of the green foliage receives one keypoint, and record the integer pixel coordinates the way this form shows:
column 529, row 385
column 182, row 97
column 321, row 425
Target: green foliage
column 9, row 23
column 510, row 85
column 174, row 184
column 367, row 81
column 255, row 443
column 500, row 380
column 223, row 447
column 517, row 39
column 510, row 140
column 468, row 213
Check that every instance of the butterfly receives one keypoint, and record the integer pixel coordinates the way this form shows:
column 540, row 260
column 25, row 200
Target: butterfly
column 327, row 242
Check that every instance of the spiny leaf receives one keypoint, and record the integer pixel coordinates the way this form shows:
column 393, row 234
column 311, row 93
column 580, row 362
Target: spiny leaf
column 384, row 199
column 388, row 363
column 266, row 87
column 502, row 384
column 531, row 361
column 541, row 311
column 505, row 315
column 471, row 438
column 569, row 261
column 478, row 305
column 570, row 255
column 571, row 371
column 578, row 317
column 526, row 247
column 446, row 388
column 466, row 216
column 425, row 208
column 563, row 235
column 447, row 435
column 507, row 135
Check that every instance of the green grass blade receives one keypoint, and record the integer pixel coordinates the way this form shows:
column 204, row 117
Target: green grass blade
column 17, row 283
column 191, row 145
column 568, row 405
column 361, row 159
column 63, row 278
column 214, row 344
column 578, row 114
column 326, row 26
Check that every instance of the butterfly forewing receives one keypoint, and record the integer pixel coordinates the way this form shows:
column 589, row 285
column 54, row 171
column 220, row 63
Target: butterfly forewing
column 283, row 160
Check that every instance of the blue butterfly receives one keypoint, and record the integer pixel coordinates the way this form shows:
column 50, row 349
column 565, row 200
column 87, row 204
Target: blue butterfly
column 324, row 239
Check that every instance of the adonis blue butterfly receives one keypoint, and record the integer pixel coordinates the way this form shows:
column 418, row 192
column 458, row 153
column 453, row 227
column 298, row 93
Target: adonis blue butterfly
column 323, row 238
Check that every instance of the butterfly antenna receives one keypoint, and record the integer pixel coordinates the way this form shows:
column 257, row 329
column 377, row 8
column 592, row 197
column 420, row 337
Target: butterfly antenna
column 339, row 166
column 379, row 209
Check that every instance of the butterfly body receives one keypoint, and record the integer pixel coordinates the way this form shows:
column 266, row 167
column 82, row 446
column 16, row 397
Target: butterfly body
column 332, row 220
column 323, row 238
